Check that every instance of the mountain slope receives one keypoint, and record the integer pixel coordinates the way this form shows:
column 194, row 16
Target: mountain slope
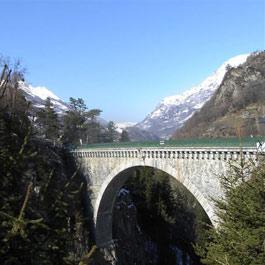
column 38, row 95
column 120, row 126
column 236, row 107
column 136, row 134
column 173, row 111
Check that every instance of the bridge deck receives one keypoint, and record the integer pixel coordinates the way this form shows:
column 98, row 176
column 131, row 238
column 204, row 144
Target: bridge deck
column 184, row 143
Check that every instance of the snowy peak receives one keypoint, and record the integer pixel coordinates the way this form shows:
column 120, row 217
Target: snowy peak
column 38, row 91
column 173, row 111
column 37, row 96
column 209, row 83
column 120, row 126
column 233, row 62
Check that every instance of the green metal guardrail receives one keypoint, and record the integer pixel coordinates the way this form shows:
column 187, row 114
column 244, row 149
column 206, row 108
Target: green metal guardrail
column 204, row 142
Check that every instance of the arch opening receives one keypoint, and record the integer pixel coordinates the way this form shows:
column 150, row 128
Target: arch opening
column 104, row 218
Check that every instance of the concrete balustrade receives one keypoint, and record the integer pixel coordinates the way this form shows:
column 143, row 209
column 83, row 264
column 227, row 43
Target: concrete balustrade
column 170, row 153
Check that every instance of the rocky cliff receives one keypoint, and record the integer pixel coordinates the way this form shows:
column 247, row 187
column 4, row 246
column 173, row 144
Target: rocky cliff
column 237, row 108
column 131, row 243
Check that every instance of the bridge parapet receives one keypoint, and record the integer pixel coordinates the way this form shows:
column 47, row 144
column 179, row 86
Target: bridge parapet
column 170, row 153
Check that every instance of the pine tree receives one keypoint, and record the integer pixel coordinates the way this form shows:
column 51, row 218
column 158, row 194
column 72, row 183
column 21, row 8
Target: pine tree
column 40, row 196
column 47, row 120
column 167, row 213
column 74, row 121
column 93, row 131
column 239, row 238
column 124, row 136
column 80, row 124
column 111, row 132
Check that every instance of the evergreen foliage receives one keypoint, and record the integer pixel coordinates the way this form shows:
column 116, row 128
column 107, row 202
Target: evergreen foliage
column 41, row 210
column 167, row 213
column 48, row 121
column 239, row 238
column 80, row 125
column 111, row 134
column 124, row 136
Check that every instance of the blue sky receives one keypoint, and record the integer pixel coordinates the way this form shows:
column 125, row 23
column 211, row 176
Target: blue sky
column 125, row 56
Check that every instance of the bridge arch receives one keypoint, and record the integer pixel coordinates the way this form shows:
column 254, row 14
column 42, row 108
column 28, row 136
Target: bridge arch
column 197, row 168
column 115, row 180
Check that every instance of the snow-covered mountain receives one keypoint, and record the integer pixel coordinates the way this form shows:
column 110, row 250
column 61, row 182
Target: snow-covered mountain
column 135, row 134
column 173, row 111
column 120, row 126
column 37, row 96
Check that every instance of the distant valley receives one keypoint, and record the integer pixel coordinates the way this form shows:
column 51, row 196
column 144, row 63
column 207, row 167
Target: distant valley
column 181, row 115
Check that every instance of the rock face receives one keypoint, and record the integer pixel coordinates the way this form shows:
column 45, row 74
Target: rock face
column 173, row 111
column 129, row 245
column 136, row 134
column 237, row 108
column 129, row 239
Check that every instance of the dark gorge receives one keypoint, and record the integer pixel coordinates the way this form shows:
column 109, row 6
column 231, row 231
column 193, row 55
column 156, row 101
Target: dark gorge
column 156, row 220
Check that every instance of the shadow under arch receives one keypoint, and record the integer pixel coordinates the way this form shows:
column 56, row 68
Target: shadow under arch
column 113, row 183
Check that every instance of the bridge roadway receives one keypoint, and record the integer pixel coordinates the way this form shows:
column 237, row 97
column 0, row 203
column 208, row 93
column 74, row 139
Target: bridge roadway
column 198, row 169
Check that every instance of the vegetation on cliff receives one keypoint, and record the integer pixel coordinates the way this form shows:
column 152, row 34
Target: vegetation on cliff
column 238, row 104
column 239, row 237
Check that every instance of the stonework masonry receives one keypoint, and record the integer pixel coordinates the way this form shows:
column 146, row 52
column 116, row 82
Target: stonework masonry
column 198, row 169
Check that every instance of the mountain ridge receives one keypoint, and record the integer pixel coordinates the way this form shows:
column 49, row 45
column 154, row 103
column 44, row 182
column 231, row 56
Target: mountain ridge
column 173, row 111
column 37, row 96
column 236, row 108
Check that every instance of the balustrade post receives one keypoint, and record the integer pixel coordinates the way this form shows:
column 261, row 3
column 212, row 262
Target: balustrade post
column 183, row 154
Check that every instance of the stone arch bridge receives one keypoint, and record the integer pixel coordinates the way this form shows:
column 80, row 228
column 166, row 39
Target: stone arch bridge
column 198, row 169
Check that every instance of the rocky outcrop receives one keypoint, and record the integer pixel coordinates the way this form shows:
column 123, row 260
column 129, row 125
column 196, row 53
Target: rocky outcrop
column 136, row 134
column 132, row 245
column 237, row 108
